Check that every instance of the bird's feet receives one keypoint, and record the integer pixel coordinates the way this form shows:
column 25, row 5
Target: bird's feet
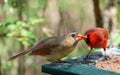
column 86, row 57
column 104, row 58
column 60, row 63
column 82, row 60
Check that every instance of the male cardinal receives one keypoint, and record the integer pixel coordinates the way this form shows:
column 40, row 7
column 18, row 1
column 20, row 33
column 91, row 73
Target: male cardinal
column 97, row 38
column 53, row 48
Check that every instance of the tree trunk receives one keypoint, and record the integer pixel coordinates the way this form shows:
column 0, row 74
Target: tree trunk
column 110, row 20
column 42, row 12
column 21, row 62
column 20, row 10
column 97, row 12
column 2, row 14
column 66, row 24
column 1, row 67
column 2, row 18
column 52, row 11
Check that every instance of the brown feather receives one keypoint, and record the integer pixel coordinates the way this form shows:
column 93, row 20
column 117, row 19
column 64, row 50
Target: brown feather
column 44, row 50
column 19, row 54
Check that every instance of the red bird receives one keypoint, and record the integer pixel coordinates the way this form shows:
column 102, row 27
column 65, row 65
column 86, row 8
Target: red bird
column 97, row 38
column 53, row 48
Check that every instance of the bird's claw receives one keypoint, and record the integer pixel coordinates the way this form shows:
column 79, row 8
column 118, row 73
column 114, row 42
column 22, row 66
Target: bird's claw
column 86, row 57
column 105, row 58
column 61, row 63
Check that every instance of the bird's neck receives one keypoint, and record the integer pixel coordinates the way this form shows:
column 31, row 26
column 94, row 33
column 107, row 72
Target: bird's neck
column 88, row 39
column 69, row 42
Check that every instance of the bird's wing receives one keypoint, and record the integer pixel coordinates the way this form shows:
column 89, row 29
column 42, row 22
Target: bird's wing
column 89, row 31
column 96, row 37
column 45, row 46
column 106, row 33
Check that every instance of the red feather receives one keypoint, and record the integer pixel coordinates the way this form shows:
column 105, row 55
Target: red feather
column 97, row 38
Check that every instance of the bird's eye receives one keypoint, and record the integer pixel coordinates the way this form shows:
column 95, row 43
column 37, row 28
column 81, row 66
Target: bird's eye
column 73, row 35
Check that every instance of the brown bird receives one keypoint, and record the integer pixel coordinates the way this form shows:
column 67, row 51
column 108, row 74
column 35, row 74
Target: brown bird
column 97, row 38
column 53, row 48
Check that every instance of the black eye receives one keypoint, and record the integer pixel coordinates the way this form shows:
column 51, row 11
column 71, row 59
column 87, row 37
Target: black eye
column 73, row 35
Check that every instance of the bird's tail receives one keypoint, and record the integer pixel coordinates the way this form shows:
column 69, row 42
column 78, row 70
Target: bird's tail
column 19, row 54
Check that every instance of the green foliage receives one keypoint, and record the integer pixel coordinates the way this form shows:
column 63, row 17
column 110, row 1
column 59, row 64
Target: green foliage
column 118, row 16
column 117, row 39
column 16, row 3
column 3, row 29
column 63, row 4
column 1, row 51
column 102, row 2
column 22, row 31
column 13, row 3
column 6, row 7
column 5, row 66
column 42, row 3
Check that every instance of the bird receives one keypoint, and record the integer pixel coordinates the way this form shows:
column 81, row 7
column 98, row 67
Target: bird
column 96, row 38
column 53, row 48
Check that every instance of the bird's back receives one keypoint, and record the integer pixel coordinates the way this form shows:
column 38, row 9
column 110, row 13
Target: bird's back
column 44, row 46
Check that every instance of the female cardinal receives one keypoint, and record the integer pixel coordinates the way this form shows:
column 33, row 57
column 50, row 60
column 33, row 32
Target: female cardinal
column 97, row 38
column 53, row 48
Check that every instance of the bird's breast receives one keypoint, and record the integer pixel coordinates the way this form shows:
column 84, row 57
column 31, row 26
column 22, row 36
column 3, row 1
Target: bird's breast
column 96, row 41
column 60, row 53
column 100, row 44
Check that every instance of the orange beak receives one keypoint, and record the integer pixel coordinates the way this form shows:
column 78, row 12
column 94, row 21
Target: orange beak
column 80, row 37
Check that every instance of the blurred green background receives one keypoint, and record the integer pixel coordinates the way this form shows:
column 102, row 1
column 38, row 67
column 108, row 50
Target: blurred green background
column 24, row 22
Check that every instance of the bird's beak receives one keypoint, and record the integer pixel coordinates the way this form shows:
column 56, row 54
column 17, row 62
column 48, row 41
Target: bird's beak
column 80, row 37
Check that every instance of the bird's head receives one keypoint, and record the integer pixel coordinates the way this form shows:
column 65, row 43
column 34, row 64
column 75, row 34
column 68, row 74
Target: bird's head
column 72, row 39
